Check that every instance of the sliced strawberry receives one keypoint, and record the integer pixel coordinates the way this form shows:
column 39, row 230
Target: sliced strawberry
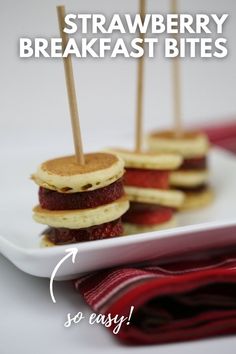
column 153, row 215
column 197, row 163
column 137, row 177
column 53, row 200
column 61, row 236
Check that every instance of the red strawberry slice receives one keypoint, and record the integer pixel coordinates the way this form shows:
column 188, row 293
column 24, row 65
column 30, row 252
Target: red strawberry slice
column 61, row 236
column 137, row 177
column 153, row 215
column 53, row 200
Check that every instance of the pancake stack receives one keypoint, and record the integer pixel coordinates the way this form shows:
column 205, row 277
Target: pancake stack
column 193, row 176
column 146, row 183
column 81, row 202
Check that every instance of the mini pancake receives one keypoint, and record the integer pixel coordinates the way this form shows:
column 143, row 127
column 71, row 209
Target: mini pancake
column 45, row 242
column 189, row 145
column 198, row 199
column 59, row 236
column 78, row 219
column 149, row 160
column 169, row 198
column 53, row 200
column 131, row 229
column 64, row 175
column 188, row 179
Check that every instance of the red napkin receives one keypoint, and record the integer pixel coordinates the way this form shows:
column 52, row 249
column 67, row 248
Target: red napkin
column 223, row 135
column 182, row 300
column 188, row 298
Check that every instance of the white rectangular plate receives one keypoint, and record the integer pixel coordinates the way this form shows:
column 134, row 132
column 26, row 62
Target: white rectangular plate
column 19, row 236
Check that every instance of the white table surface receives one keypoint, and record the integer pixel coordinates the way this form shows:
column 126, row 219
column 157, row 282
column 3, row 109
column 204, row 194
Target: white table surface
column 31, row 323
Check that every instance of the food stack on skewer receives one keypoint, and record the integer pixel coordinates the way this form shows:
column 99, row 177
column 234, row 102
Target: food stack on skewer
column 153, row 203
column 82, row 196
column 192, row 177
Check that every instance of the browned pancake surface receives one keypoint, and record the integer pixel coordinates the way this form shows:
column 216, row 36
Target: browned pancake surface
column 168, row 134
column 67, row 165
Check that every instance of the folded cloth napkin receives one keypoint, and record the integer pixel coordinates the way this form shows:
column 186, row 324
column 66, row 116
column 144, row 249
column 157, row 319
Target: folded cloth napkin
column 223, row 135
column 188, row 298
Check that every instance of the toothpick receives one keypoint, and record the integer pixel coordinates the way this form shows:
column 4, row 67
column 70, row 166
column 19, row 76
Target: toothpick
column 139, row 103
column 176, row 84
column 70, row 84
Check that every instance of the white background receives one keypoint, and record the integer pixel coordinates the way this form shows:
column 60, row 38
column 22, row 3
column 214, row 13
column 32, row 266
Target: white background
column 34, row 118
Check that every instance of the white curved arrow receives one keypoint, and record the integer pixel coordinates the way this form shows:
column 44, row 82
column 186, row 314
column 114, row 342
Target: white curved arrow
column 71, row 252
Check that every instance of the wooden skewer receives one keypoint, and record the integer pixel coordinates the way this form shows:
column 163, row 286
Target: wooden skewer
column 139, row 103
column 178, row 129
column 70, row 84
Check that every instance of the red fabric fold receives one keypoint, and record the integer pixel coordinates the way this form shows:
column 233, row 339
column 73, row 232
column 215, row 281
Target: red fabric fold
column 223, row 135
column 188, row 298
column 176, row 301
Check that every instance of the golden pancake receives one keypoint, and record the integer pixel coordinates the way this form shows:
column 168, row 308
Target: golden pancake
column 189, row 145
column 79, row 219
column 169, row 198
column 149, row 160
column 194, row 200
column 189, row 178
column 64, row 175
column 45, row 242
column 131, row 229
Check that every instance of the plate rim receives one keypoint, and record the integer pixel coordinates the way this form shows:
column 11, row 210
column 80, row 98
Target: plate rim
column 126, row 240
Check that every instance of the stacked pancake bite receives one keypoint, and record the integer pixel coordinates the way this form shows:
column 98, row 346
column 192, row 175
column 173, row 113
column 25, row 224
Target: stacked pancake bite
column 81, row 202
column 192, row 176
column 152, row 203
